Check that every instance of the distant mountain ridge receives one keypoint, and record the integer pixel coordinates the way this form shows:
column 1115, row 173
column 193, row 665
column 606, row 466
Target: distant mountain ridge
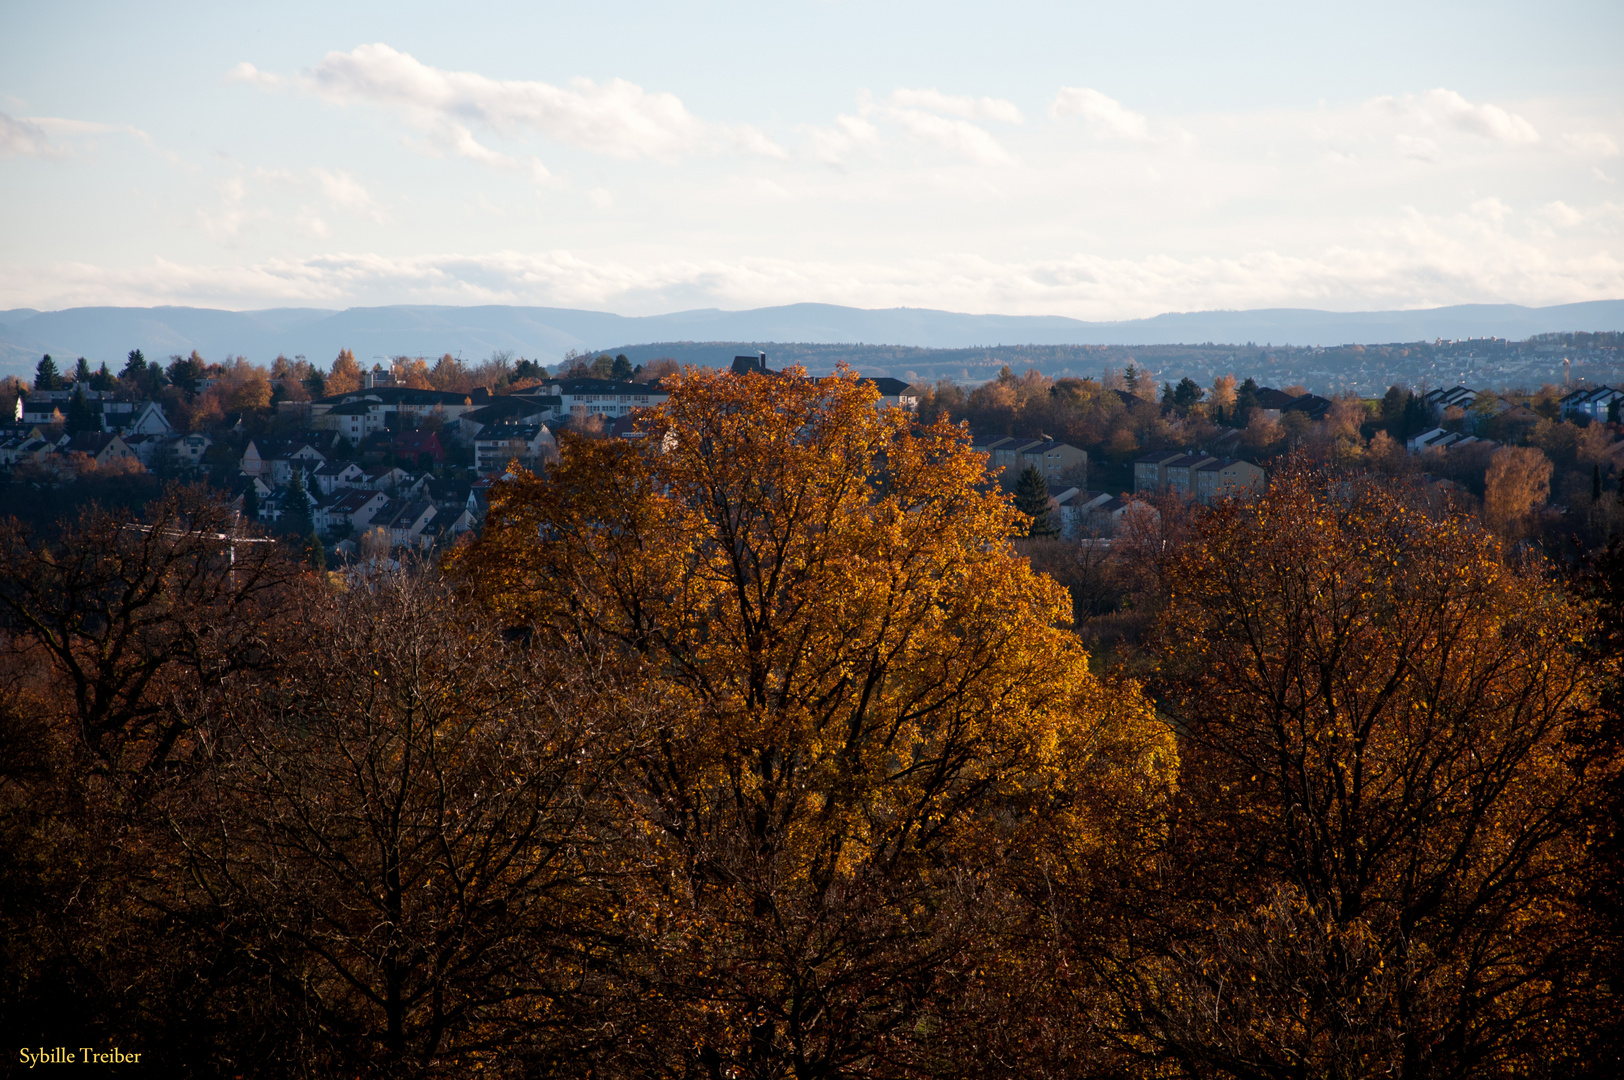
column 107, row 333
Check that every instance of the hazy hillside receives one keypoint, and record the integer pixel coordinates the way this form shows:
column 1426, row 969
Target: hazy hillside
column 105, row 333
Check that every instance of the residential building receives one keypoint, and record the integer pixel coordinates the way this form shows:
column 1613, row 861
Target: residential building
column 1227, row 478
column 602, row 397
column 1147, row 469
column 384, row 478
column 1310, row 405
column 512, row 409
column 337, row 474
column 1592, row 402
column 1439, row 402
column 347, row 510
column 186, row 451
column 1051, row 458
column 405, row 520
column 1179, row 474
column 410, row 446
column 104, row 448
column 28, row 446
column 365, row 412
column 276, row 462
column 498, row 444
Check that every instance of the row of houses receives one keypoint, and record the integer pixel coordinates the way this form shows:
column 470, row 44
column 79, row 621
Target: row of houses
column 49, row 408
column 1012, row 455
column 361, row 414
column 24, row 444
column 1599, row 403
column 1440, row 439
column 1197, row 475
column 1594, row 403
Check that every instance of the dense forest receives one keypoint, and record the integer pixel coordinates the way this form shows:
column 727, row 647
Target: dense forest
column 771, row 746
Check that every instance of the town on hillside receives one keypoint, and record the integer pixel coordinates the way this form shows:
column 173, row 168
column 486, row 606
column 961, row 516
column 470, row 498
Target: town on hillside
column 399, row 458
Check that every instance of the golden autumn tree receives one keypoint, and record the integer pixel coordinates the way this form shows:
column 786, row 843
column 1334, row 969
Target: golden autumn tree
column 345, row 377
column 1517, row 483
column 879, row 716
column 1377, row 862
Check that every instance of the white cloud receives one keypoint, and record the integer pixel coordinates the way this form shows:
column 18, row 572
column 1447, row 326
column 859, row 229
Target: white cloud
column 1107, row 117
column 1441, row 108
column 616, row 118
column 1409, row 261
column 834, row 145
column 21, row 137
column 969, row 108
column 1416, row 148
column 262, row 196
column 919, row 114
column 1591, row 143
column 955, row 136
column 1560, row 213
column 345, row 191
column 248, row 73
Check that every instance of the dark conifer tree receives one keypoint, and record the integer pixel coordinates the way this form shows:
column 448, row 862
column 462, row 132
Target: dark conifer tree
column 46, row 376
column 81, row 417
column 296, row 517
column 1032, row 499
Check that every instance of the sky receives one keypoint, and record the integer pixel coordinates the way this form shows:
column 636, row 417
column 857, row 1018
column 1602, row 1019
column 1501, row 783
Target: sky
column 1096, row 160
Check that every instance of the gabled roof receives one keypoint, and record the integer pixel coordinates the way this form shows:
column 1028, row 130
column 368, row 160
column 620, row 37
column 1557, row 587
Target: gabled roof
column 1270, row 398
column 507, row 408
column 91, row 442
column 1311, row 404
column 888, row 387
column 1158, row 457
column 417, row 440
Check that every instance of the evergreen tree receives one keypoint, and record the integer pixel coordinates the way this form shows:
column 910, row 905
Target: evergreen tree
column 1032, row 499
column 1245, row 400
column 46, row 377
column 102, row 379
column 81, row 372
column 81, row 417
column 296, row 518
column 1393, row 410
column 1167, row 395
column 315, row 554
column 1130, row 378
column 1416, row 417
column 1187, row 394
column 185, row 371
column 135, row 367
column 622, row 369
column 250, row 503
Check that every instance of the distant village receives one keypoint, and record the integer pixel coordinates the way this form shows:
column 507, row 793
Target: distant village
column 398, row 459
